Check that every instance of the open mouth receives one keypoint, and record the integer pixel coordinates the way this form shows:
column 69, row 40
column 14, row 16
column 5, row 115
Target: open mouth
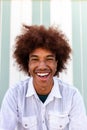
column 43, row 75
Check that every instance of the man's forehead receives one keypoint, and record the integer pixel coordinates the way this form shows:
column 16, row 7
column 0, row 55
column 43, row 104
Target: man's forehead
column 33, row 55
column 41, row 52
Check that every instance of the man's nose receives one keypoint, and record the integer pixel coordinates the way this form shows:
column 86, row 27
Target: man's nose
column 42, row 64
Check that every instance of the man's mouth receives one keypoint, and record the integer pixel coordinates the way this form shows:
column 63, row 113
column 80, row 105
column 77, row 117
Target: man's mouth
column 42, row 75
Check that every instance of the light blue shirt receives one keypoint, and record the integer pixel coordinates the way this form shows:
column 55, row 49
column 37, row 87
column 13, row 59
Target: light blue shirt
column 63, row 109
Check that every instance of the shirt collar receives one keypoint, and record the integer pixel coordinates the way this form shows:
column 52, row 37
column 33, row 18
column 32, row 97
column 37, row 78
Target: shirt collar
column 55, row 90
column 31, row 90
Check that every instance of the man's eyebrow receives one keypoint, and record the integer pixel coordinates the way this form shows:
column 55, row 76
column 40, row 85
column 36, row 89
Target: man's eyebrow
column 51, row 56
column 33, row 56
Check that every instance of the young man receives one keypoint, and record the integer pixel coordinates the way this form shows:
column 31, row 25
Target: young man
column 43, row 101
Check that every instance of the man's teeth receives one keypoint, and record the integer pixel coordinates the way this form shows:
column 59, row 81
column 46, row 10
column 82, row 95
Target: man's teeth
column 42, row 74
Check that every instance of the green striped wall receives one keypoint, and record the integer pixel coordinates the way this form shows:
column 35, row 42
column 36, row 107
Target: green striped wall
column 41, row 12
column 79, row 40
column 5, row 43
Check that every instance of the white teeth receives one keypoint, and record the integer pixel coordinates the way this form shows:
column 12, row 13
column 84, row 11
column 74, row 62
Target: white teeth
column 42, row 74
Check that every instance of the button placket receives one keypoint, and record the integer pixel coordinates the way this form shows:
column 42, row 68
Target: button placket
column 43, row 114
column 43, row 117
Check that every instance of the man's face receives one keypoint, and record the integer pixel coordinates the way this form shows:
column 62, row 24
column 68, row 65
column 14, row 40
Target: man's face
column 42, row 67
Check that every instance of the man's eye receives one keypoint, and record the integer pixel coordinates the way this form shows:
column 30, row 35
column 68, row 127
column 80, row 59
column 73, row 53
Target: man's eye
column 52, row 59
column 33, row 60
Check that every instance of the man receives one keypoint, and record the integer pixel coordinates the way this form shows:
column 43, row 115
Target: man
column 42, row 101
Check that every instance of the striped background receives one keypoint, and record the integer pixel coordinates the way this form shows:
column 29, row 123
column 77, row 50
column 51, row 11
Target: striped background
column 71, row 16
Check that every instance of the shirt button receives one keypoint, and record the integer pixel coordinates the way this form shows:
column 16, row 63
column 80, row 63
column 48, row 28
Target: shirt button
column 26, row 125
column 60, row 126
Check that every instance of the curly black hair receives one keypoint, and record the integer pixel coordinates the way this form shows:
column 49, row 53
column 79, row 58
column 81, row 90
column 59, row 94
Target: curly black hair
column 38, row 36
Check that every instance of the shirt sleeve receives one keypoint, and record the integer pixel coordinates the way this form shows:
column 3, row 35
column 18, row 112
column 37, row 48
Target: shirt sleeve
column 78, row 118
column 8, row 112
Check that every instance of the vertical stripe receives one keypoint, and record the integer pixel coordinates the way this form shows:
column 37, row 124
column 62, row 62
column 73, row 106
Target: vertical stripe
column 35, row 12
column 76, row 45
column 81, row 50
column 5, row 41
column 46, row 12
column 84, row 47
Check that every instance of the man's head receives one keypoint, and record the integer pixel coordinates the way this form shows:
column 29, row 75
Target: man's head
column 34, row 37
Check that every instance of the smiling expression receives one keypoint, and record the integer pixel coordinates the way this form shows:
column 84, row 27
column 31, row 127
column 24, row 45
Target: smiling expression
column 42, row 67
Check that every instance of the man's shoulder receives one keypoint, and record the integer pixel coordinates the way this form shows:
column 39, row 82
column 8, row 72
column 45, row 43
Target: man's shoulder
column 68, row 92
column 19, row 87
column 66, row 87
